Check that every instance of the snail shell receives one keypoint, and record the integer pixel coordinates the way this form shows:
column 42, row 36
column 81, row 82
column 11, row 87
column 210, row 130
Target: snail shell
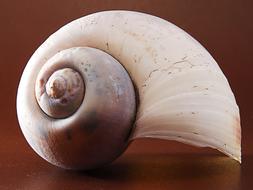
column 111, row 77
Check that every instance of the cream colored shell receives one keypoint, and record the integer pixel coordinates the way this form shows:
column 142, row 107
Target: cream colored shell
column 183, row 94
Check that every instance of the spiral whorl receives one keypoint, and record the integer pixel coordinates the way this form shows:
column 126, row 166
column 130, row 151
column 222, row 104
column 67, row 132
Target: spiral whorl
column 81, row 111
column 61, row 94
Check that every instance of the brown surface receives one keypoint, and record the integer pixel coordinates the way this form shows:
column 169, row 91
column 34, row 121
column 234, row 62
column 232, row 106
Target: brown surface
column 224, row 27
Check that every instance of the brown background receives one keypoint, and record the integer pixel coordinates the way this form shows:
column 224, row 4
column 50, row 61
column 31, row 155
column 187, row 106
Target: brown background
column 224, row 27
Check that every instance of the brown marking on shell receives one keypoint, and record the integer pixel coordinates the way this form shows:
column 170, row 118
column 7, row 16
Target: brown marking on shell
column 64, row 100
column 41, row 83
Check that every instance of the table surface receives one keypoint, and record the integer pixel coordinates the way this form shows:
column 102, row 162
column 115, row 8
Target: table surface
column 147, row 164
